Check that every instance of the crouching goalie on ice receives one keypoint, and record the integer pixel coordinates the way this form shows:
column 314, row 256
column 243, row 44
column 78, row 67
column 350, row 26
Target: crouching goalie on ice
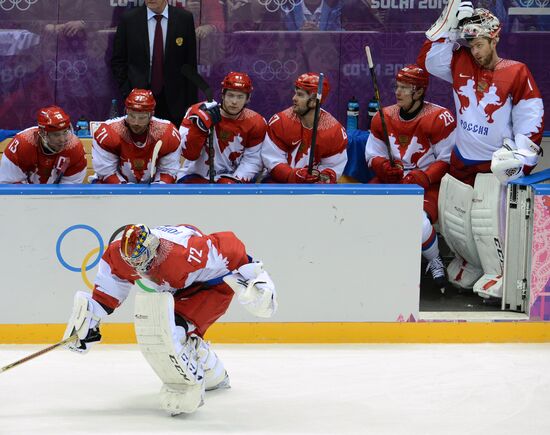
column 195, row 276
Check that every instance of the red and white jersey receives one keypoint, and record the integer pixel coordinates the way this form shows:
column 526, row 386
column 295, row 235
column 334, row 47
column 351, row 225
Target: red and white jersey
column 419, row 142
column 490, row 105
column 237, row 146
column 119, row 156
column 288, row 143
column 24, row 161
column 185, row 256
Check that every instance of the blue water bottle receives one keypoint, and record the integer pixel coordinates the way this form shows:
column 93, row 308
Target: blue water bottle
column 371, row 110
column 113, row 111
column 82, row 127
column 352, row 121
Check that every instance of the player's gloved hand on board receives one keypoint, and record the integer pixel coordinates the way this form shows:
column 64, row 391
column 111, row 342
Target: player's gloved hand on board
column 386, row 172
column 228, row 179
column 327, row 176
column 84, row 322
column 417, row 176
column 205, row 115
column 301, row 176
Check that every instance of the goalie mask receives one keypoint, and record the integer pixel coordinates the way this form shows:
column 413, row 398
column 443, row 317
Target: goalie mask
column 138, row 246
column 481, row 24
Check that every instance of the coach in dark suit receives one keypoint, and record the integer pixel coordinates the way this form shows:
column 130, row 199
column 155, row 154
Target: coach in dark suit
column 152, row 43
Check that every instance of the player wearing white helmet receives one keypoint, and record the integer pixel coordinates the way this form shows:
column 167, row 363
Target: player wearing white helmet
column 497, row 104
column 194, row 277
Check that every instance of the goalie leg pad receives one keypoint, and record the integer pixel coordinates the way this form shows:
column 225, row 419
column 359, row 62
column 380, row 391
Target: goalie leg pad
column 487, row 221
column 214, row 371
column 455, row 207
column 463, row 274
column 172, row 355
column 182, row 398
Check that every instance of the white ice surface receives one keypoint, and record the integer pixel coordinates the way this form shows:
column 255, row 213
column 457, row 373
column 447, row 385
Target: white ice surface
column 303, row 389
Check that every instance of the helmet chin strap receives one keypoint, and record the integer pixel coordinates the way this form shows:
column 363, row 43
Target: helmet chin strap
column 45, row 146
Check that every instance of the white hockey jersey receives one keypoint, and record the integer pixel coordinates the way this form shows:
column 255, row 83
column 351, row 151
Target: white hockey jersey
column 490, row 104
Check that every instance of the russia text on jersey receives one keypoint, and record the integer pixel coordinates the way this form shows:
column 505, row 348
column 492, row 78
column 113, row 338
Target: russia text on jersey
column 474, row 128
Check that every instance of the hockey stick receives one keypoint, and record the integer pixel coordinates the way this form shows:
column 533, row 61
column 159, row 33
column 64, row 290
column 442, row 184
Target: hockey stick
column 154, row 158
column 40, row 352
column 195, row 78
column 380, row 108
column 61, row 172
column 316, row 117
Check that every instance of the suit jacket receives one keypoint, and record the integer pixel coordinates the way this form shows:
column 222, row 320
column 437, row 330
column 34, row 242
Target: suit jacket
column 130, row 61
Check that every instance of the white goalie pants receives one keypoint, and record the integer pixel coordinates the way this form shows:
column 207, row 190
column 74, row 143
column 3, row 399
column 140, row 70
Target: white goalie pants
column 472, row 222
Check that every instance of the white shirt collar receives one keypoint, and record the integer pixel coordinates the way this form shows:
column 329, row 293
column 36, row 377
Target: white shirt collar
column 151, row 14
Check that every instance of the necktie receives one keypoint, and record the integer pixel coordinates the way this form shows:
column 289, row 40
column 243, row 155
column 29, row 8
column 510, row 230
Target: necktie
column 158, row 59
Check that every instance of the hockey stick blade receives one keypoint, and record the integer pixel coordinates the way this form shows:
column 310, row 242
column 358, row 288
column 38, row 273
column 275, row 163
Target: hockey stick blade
column 194, row 77
column 154, row 158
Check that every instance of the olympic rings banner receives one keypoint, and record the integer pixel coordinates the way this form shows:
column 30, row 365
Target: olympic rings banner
column 58, row 51
column 329, row 262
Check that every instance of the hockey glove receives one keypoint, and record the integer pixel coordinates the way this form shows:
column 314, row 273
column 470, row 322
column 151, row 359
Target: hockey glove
column 205, row 115
column 386, row 172
column 84, row 322
column 301, row 176
column 416, row 176
column 228, row 179
column 327, row 176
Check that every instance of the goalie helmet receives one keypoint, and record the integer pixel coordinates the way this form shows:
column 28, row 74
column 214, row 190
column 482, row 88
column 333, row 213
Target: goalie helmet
column 53, row 118
column 414, row 75
column 138, row 246
column 309, row 83
column 140, row 100
column 237, row 81
column 481, row 24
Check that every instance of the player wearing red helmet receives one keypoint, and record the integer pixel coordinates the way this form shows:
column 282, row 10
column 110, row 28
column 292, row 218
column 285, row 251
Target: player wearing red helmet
column 238, row 136
column 285, row 152
column 421, row 136
column 48, row 153
column 124, row 148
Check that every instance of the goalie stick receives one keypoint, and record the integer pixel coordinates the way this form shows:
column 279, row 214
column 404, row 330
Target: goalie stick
column 194, row 77
column 40, row 352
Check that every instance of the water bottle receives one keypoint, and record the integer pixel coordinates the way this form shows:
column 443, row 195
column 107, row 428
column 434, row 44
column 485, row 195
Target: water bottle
column 372, row 109
column 352, row 122
column 82, row 127
column 113, row 111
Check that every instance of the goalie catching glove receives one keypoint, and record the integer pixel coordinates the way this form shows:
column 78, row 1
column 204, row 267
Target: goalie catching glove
column 254, row 289
column 511, row 161
column 84, row 322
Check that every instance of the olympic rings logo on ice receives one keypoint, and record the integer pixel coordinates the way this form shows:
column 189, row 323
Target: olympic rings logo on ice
column 284, row 5
column 86, row 264
column 65, row 69
column 20, row 5
column 275, row 69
